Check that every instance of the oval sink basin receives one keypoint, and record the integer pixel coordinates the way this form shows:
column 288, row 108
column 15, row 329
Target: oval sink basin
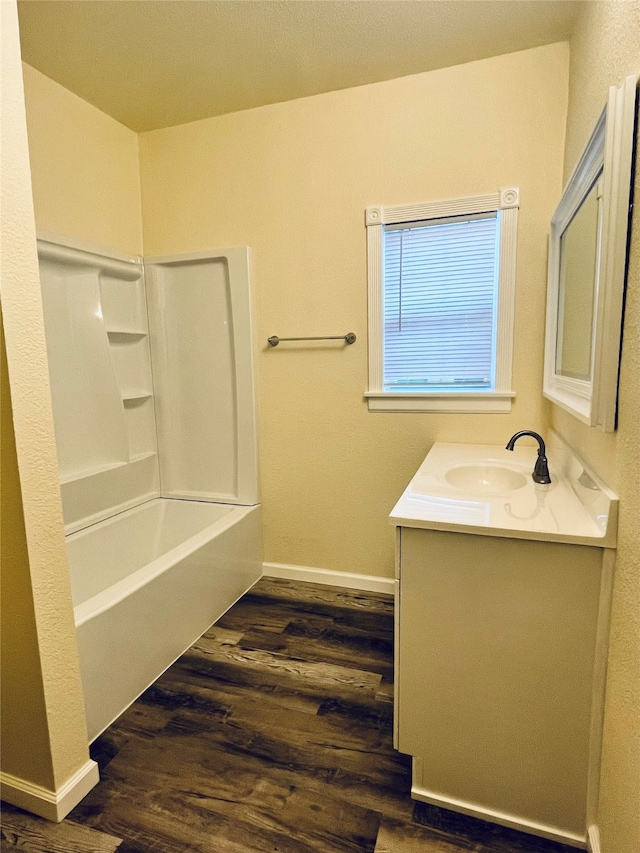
column 490, row 479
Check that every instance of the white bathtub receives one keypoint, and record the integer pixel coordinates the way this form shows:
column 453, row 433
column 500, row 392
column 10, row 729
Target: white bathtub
column 146, row 584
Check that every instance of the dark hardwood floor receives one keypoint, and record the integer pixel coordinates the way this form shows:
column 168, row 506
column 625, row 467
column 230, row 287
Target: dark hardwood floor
column 271, row 734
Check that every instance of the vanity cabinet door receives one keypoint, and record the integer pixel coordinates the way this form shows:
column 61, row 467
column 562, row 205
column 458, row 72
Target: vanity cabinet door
column 496, row 652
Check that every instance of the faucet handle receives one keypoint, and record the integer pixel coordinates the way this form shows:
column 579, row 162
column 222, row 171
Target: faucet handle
column 541, row 470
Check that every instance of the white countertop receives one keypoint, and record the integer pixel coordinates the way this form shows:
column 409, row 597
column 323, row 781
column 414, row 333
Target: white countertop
column 576, row 508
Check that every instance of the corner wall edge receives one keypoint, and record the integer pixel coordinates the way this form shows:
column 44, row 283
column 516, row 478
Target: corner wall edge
column 52, row 805
column 593, row 839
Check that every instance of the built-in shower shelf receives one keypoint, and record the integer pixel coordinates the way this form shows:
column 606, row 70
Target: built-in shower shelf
column 86, row 473
column 132, row 398
column 124, row 335
column 90, row 472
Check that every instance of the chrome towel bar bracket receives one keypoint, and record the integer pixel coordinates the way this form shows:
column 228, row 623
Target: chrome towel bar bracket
column 349, row 338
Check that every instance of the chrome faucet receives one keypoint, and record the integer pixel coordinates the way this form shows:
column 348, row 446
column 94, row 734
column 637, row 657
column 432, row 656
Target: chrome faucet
column 541, row 468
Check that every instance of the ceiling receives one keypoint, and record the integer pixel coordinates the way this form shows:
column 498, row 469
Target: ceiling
column 157, row 63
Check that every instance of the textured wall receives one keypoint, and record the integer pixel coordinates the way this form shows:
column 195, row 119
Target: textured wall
column 292, row 181
column 604, row 49
column 619, row 812
column 84, row 164
column 23, row 710
column 43, row 600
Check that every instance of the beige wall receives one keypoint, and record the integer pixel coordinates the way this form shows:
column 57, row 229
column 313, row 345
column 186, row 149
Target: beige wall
column 44, row 733
column 84, row 164
column 292, row 181
column 22, row 703
column 604, row 49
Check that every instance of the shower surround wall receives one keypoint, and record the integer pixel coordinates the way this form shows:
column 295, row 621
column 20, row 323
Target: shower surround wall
column 145, row 455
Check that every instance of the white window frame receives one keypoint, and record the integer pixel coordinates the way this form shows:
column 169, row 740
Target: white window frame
column 496, row 399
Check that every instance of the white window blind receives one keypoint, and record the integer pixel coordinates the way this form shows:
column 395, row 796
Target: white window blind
column 439, row 303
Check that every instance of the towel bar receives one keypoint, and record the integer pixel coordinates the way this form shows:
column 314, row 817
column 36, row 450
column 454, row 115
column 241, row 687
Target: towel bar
column 349, row 338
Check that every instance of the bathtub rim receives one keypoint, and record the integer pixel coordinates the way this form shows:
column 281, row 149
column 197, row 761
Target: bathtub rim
column 117, row 592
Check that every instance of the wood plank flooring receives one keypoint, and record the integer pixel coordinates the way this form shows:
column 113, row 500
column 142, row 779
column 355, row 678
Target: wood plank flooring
column 271, row 734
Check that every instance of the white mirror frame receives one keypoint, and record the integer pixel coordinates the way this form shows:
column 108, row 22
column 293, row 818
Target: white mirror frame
column 610, row 151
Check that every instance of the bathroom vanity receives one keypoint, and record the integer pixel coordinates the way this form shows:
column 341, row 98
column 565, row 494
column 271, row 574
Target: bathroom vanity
column 502, row 600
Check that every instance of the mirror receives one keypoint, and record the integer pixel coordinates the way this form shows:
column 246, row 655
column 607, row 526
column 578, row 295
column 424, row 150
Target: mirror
column 577, row 290
column 587, row 269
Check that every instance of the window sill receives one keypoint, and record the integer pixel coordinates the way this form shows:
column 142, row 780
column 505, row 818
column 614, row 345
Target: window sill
column 482, row 402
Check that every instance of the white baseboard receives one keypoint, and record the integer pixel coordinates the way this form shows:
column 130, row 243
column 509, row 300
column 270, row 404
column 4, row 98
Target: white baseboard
column 593, row 839
column 52, row 805
column 511, row 821
column 370, row 583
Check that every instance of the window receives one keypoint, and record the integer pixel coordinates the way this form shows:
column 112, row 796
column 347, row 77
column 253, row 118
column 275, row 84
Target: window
column 441, row 287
